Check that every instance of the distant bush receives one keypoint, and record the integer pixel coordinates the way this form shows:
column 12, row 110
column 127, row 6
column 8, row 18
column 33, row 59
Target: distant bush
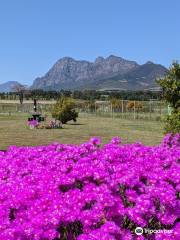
column 64, row 110
column 134, row 104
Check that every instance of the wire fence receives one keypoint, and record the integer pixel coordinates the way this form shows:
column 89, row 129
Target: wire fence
column 15, row 108
column 147, row 110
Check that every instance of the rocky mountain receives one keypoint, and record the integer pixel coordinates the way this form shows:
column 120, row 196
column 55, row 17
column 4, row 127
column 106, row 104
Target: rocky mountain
column 8, row 86
column 104, row 73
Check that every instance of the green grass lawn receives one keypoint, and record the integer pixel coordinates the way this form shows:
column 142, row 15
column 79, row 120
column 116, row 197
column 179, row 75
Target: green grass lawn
column 14, row 131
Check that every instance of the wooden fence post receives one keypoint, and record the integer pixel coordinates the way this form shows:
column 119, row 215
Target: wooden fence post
column 122, row 109
column 134, row 109
column 95, row 109
column 150, row 109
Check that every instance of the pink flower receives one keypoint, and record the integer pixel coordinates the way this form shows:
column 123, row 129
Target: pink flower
column 33, row 123
column 89, row 192
column 116, row 140
column 95, row 141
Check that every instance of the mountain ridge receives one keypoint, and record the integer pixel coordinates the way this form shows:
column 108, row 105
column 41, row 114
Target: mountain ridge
column 111, row 72
column 8, row 86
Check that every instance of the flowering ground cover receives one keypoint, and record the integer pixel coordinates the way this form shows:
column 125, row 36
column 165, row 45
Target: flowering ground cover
column 90, row 192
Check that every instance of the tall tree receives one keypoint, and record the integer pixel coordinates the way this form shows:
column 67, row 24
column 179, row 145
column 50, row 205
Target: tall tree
column 171, row 92
column 20, row 89
column 171, row 86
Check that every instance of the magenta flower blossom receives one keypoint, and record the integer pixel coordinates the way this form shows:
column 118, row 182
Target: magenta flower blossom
column 88, row 192
column 116, row 140
column 95, row 141
column 33, row 123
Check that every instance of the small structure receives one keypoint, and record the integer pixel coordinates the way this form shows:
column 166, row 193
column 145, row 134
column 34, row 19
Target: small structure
column 36, row 115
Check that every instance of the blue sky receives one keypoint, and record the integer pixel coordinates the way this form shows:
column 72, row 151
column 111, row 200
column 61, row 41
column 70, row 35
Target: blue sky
column 34, row 34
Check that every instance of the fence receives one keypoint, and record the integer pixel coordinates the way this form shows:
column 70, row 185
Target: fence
column 147, row 110
column 27, row 107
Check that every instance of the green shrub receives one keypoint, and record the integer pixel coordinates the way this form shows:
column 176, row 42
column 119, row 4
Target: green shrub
column 64, row 110
column 170, row 85
column 172, row 124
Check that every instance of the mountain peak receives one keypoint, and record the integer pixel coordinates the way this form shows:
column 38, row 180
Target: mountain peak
column 149, row 62
column 8, row 86
column 110, row 72
column 66, row 59
column 99, row 59
column 113, row 57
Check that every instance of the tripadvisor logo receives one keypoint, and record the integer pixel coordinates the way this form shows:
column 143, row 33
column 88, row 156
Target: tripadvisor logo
column 139, row 231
